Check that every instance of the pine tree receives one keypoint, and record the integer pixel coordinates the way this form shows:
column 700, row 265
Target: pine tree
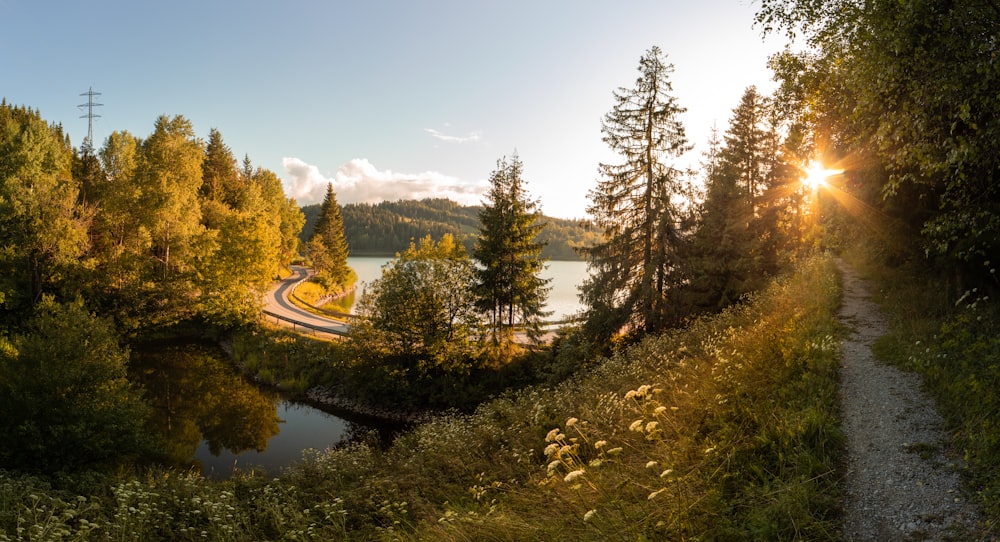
column 219, row 172
column 509, row 290
column 328, row 245
column 636, row 205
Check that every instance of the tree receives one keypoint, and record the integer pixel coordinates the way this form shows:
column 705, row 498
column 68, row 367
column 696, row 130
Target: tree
column 43, row 231
column 508, row 287
column 915, row 82
column 220, row 179
column 170, row 170
column 66, row 400
column 638, row 205
column 328, row 245
column 420, row 313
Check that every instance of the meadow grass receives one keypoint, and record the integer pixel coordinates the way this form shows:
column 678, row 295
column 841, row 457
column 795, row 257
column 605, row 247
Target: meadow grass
column 725, row 430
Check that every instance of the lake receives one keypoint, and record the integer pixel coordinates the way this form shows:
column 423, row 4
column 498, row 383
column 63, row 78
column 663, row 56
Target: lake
column 565, row 277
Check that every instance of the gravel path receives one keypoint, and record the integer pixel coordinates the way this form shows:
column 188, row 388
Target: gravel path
column 900, row 484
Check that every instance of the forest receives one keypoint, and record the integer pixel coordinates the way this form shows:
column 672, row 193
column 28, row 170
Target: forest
column 697, row 397
column 386, row 228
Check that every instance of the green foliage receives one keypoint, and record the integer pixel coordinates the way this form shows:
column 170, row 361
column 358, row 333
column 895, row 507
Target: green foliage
column 636, row 205
column 420, row 314
column 909, row 90
column 508, row 288
column 66, row 400
column 43, row 231
column 327, row 245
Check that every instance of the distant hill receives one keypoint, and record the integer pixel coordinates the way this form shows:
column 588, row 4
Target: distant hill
column 383, row 229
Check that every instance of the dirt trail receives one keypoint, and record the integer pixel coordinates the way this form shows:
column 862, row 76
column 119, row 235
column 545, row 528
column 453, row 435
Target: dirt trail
column 900, row 484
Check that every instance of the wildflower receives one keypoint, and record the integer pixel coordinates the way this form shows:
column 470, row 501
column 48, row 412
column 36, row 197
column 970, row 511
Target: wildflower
column 660, row 410
column 571, row 422
column 615, row 451
column 589, row 514
column 573, row 475
column 651, row 426
column 552, row 435
column 596, row 462
column 651, row 464
column 551, row 449
column 655, row 493
column 666, row 473
column 709, row 450
column 630, row 394
column 643, row 390
column 600, row 444
column 553, row 465
column 636, row 426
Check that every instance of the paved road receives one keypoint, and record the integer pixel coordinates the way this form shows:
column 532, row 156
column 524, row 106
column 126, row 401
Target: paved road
column 276, row 302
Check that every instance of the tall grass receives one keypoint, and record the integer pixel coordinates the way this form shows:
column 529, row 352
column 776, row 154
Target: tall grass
column 726, row 430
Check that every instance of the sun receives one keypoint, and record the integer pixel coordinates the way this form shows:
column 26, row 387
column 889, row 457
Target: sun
column 816, row 175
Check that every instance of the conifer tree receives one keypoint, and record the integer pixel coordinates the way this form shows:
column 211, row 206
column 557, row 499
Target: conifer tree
column 509, row 290
column 328, row 245
column 636, row 204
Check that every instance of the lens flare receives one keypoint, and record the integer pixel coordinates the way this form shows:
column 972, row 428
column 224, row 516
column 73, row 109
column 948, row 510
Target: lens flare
column 816, row 176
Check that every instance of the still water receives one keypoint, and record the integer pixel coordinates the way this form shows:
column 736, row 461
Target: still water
column 212, row 419
column 566, row 277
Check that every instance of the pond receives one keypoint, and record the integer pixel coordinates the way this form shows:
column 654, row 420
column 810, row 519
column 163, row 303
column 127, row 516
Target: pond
column 212, row 419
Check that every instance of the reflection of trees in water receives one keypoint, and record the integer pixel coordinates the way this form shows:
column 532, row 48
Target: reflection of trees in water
column 196, row 395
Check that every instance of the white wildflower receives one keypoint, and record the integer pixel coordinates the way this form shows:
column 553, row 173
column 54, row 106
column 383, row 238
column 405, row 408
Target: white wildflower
column 589, row 514
column 636, row 425
column 573, row 475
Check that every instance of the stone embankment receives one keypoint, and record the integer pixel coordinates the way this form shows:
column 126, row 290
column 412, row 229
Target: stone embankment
column 327, row 397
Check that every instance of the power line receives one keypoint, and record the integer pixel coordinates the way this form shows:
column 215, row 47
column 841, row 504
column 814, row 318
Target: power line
column 90, row 105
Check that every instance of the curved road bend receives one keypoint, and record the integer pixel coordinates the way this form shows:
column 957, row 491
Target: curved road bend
column 276, row 302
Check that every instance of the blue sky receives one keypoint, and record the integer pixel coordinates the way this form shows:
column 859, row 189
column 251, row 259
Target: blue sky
column 387, row 99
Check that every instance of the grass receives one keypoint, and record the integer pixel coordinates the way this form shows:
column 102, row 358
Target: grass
column 726, row 430
column 951, row 337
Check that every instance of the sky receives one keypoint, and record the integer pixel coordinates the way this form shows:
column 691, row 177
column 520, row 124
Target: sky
column 386, row 99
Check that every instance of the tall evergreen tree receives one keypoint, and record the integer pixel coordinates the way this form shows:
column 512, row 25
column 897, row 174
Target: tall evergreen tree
column 328, row 245
column 219, row 173
column 509, row 289
column 636, row 204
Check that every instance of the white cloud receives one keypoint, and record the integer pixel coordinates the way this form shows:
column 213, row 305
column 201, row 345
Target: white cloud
column 359, row 181
column 473, row 137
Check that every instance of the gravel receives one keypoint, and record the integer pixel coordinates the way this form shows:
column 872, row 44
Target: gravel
column 901, row 483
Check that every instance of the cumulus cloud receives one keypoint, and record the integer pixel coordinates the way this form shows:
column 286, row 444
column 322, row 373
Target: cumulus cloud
column 359, row 181
column 473, row 137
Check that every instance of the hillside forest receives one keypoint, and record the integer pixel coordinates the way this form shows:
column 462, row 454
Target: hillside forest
column 694, row 398
column 386, row 228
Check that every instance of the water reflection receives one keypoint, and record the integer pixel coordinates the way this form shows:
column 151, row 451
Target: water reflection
column 196, row 396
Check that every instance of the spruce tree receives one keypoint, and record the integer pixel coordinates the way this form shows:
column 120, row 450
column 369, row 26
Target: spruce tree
column 509, row 289
column 636, row 204
column 328, row 245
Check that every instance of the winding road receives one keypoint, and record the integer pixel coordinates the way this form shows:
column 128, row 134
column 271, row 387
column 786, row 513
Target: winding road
column 277, row 305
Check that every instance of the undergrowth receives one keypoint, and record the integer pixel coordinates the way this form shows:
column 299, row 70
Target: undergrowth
column 726, row 430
